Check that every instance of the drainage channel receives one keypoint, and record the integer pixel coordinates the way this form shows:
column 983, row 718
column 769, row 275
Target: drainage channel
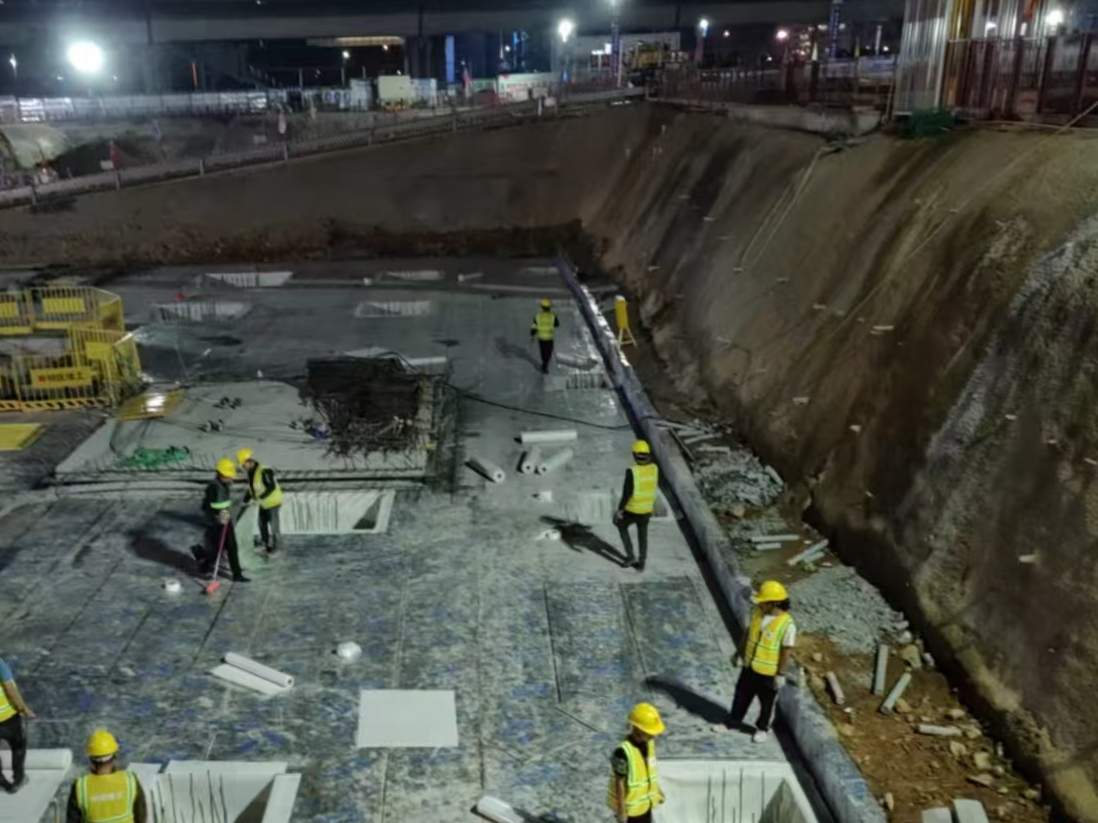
column 816, row 753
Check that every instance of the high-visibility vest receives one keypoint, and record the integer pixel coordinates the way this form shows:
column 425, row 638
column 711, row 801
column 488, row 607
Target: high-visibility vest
column 107, row 798
column 646, row 479
column 7, row 710
column 764, row 646
column 271, row 500
column 642, row 784
column 545, row 323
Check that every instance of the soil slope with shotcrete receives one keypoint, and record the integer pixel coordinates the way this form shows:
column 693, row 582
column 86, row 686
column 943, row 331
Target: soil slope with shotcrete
column 938, row 297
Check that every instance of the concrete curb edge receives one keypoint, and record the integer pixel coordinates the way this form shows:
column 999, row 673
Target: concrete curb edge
column 843, row 787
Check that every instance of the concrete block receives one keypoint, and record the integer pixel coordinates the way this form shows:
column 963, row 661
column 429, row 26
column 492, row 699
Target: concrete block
column 969, row 811
column 938, row 815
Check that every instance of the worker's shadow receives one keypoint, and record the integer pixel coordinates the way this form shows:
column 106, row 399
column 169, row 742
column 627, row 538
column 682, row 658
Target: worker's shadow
column 147, row 547
column 686, row 698
column 513, row 351
column 579, row 537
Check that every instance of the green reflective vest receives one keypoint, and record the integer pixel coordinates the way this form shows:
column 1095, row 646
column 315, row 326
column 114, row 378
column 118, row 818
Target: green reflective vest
column 545, row 323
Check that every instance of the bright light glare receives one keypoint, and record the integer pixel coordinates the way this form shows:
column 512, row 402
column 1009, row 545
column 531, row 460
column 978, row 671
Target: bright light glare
column 989, row 26
column 1054, row 17
column 703, row 24
column 346, row 55
column 727, row 33
column 885, row 49
column 13, row 61
column 385, row 48
column 86, row 57
column 565, row 30
column 783, row 34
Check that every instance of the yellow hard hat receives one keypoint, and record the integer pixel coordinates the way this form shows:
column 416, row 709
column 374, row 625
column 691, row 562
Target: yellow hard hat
column 102, row 744
column 645, row 717
column 243, row 456
column 642, row 447
column 226, row 468
column 545, row 303
column 771, row 592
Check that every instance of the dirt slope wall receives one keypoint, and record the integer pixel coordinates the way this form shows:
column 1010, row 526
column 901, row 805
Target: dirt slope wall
column 764, row 262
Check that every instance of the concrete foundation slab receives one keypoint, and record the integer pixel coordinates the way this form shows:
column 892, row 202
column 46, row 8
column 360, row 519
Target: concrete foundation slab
column 46, row 769
column 727, row 792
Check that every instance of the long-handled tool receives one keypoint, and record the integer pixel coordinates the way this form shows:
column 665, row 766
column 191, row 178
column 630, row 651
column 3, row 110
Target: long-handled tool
column 215, row 584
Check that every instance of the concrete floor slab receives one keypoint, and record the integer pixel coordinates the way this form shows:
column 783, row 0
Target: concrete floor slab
column 544, row 644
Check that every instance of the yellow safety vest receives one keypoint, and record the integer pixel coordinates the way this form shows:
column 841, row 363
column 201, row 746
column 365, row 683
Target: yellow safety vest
column 642, row 785
column 107, row 798
column 7, row 710
column 545, row 323
column 764, row 648
column 646, row 479
column 271, row 500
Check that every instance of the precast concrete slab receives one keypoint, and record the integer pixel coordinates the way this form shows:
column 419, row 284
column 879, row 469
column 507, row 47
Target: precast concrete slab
column 546, row 644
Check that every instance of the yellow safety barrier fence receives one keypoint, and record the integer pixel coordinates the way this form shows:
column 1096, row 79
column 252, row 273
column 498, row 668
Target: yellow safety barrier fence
column 53, row 308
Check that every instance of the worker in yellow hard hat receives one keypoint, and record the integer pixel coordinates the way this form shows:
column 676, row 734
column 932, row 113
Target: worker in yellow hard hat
column 107, row 794
column 263, row 491
column 217, row 509
column 634, row 784
column 544, row 328
column 12, row 729
column 638, row 501
column 764, row 655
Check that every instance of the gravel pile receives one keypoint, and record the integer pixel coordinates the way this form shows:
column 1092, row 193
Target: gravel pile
column 738, row 478
column 838, row 603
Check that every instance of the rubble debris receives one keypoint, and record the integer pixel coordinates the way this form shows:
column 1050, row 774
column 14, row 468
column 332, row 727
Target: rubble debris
column 1033, row 795
column 982, row 761
column 1027, row 558
column 956, row 714
column 880, row 672
column 889, row 801
column 912, row 657
column 938, row 731
column 801, row 401
column 813, row 552
column 957, row 749
column 903, row 707
column 894, row 695
column 736, row 478
column 835, row 689
column 766, row 547
column 837, row 602
column 774, row 538
column 928, row 660
column 972, row 731
column 985, row 780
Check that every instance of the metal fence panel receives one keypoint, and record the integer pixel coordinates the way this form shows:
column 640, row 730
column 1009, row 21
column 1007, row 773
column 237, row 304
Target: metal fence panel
column 920, row 68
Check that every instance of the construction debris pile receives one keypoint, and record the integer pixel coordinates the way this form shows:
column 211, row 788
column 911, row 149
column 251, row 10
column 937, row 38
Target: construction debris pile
column 369, row 404
column 837, row 602
column 733, row 478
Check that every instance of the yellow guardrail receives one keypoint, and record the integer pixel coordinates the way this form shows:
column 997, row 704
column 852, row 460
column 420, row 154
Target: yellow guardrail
column 100, row 366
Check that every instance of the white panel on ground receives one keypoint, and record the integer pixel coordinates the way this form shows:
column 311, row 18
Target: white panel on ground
column 361, row 512
column 593, row 507
column 393, row 308
column 728, row 791
column 396, row 719
column 193, row 791
column 253, row 279
column 46, row 769
column 199, row 311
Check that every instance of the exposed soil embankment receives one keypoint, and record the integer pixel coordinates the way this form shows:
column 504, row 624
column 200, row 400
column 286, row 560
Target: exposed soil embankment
column 910, row 326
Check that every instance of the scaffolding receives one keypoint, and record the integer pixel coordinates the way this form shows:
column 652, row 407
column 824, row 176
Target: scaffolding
column 95, row 363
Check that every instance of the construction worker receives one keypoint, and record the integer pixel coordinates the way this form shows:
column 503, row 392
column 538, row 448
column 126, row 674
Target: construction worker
column 263, row 491
column 764, row 655
column 217, row 510
column 634, row 785
column 108, row 794
column 544, row 328
column 638, row 501
column 12, row 712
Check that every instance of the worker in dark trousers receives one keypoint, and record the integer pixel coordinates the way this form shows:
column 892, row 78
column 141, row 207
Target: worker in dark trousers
column 12, row 712
column 638, row 501
column 765, row 654
column 634, row 789
column 107, row 794
column 217, row 511
column 263, row 491
column 544, row 328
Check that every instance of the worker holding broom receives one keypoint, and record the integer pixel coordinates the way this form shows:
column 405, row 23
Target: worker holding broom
column 765, row 655
column 107, row 794
column 220, row 535
column 263, row 491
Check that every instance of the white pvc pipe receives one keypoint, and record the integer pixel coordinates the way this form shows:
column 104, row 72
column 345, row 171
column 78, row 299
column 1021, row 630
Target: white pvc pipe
column 488, row 469
column 552, row 436
column 555, row 461
column 530, row 460
column 238, row 661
